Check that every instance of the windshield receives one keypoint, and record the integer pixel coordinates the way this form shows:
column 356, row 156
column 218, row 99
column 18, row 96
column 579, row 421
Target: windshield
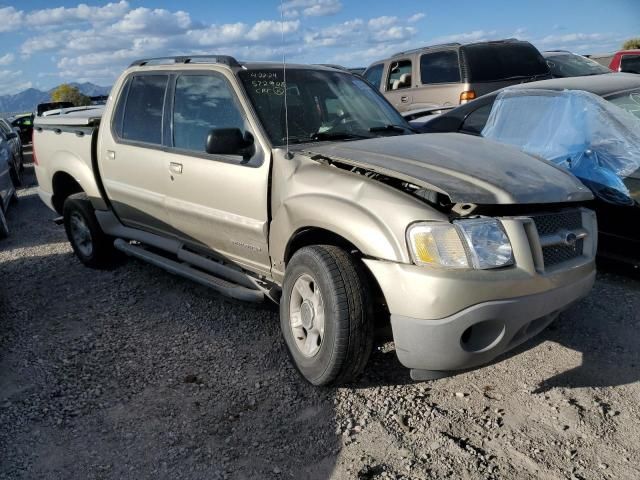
column 489, row 62
column 321, row 105
column 629, row 101
column 571, row 65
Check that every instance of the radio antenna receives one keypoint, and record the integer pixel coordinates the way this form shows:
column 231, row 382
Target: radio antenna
column 288, row 155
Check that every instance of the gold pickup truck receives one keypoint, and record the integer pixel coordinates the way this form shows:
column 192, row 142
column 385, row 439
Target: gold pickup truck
column 305, row 186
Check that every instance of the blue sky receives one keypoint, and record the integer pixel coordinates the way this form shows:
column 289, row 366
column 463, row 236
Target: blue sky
column 46, row 42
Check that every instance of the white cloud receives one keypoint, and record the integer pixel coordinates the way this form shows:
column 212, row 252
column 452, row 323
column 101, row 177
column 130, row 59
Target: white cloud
column 382, row 22
column 7, row 59
column 11, row 19
column 81, row 13
column 270, row 29
column 11, row 81
column 416, row 17
column 158, row 22
column 310, row 8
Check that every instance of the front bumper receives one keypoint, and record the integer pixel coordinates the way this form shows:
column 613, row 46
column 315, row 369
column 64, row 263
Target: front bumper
column 478, row 334
column 444, row 320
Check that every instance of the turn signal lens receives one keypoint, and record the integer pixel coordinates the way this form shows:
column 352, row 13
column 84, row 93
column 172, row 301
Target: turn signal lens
column 466, row 96
column 437, row 245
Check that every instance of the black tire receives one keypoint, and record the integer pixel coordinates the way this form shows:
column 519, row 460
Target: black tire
column 4, row 227
column 77, row 208
column 348, row 320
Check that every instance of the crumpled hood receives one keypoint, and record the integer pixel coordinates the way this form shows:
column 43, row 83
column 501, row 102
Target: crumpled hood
column 466, row 168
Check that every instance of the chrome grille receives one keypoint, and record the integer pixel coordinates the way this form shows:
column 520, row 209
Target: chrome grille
column 549, row 224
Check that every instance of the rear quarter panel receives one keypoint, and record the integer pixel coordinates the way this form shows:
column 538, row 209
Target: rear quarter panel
column 63, row 152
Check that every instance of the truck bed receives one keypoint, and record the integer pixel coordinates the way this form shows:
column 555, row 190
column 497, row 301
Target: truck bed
column 77, row 118
column 63, row 143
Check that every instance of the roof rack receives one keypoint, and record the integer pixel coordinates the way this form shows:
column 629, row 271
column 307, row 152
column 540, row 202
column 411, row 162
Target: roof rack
column 439, row 45
column 223, row 59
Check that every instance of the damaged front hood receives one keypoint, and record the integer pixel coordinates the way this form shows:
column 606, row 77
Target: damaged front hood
column 467, row 169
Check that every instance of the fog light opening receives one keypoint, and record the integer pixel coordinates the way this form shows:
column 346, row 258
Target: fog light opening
column 482, row 336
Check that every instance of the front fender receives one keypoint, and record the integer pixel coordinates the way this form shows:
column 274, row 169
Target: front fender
column 353, row 222
column 369, row 214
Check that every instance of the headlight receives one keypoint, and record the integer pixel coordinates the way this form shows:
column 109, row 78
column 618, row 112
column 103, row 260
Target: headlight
column 488, row 243
column 479, row 243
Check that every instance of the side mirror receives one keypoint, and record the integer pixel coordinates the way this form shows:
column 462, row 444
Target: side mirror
column 230, row 141
column 12, row 135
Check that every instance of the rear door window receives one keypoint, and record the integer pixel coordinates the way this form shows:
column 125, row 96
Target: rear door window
column 439, row 67
column 630, row 63
column 374, row 75
column 143, row 111
column 399, row 75
column 202, row 103
column 489, row 62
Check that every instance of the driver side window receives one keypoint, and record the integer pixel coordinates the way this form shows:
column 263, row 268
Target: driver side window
column 203, row 103
column 399, row 75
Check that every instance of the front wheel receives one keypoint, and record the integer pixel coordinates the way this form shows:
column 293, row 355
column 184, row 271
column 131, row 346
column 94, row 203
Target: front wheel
column 90, row 244
column 326, row 315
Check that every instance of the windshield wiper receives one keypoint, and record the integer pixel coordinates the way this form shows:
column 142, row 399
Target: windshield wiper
column 392, row 128
column 337, row 136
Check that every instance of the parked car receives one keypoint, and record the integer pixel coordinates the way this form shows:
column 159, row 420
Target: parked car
column 612, row 135
column 564, row 64
column 9, row 135
column 626, row 61
column 45, row 107
column 329, row 205
column 622, row 61
column 7, row 188
column 452, row 74
column 25, row 124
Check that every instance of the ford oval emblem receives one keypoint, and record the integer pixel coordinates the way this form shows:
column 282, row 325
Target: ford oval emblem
column 570, row 239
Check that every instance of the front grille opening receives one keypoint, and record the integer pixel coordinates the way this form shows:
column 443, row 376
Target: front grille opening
column 553, row 223
column 556, row 254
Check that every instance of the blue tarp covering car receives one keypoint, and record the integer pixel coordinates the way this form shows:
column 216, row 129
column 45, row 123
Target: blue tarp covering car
column 593, row 138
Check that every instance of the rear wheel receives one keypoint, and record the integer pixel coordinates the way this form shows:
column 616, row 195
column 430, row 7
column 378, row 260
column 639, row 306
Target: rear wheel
column 325, row 315
column 91, row 245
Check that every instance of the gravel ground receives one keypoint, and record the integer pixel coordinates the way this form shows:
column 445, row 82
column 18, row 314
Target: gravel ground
column 134, row 373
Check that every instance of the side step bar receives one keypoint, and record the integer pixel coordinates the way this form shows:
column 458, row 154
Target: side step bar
column 225, row 287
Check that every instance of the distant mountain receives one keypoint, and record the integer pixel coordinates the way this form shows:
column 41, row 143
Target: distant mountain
column 27, row 100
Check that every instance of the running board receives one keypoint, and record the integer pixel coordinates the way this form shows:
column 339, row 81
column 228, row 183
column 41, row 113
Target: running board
column 225, row 287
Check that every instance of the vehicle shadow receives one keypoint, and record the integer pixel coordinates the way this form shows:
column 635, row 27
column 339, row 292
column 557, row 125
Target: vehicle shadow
column 605, row 328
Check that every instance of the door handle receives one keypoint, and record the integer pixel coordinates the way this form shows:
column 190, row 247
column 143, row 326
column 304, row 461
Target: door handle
column 404, row 99
column 175, row 168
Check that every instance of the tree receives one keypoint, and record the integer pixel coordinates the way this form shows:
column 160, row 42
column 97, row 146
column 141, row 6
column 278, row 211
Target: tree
column 68, row 93
column 631, row 44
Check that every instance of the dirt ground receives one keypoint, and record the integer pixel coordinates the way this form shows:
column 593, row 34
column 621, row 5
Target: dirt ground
column 134, row 373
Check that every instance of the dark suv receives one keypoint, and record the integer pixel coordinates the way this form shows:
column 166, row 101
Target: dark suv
column 452, row 74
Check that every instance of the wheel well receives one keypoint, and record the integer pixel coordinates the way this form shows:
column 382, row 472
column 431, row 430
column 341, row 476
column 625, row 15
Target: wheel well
column 64, row 185
column 319, row 236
